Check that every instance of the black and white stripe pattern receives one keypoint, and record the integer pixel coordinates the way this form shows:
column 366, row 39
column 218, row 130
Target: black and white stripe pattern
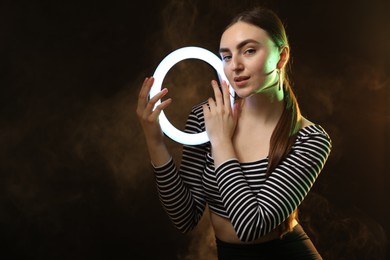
column 240, row 191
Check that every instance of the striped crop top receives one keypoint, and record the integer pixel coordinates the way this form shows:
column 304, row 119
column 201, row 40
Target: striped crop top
column 241, row 192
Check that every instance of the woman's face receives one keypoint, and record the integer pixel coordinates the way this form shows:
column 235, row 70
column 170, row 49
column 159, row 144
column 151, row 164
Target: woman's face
column 249, row 58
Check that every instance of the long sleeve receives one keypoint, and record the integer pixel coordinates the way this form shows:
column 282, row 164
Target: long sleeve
column 254, row 204
column 181, row 192
column 254, row 215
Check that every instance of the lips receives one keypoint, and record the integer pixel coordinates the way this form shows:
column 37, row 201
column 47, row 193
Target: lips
column 241, row 80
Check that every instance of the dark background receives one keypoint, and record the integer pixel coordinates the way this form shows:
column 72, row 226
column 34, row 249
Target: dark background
column 75, row 179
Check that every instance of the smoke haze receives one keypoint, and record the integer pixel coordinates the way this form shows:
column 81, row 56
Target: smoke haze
column 75, row 179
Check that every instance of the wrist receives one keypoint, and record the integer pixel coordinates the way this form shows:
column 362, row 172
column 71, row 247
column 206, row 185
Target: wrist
column 158, row 152
column 222, row 151
column 221, row 142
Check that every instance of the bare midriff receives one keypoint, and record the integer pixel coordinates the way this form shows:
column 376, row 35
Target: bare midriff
column 224, row 231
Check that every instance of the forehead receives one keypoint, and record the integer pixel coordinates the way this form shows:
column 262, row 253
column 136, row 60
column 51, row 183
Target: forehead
column 242, row 31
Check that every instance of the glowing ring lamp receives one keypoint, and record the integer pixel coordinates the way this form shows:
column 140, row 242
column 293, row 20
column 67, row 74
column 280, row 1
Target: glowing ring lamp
column 162, row 69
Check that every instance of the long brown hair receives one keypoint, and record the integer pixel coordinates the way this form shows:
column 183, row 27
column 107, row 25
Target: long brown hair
column 284, row 134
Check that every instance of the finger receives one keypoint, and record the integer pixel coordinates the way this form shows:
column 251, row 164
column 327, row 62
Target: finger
column 142, row 97
column 217, row 93
column 211, row 104
column 236, row 111
column 226, row 94
column 157, row 110
column 152, row 102
column 206, row 110
column 145, row 89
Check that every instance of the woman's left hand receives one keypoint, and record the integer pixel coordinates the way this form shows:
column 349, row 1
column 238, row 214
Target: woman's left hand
column 220, row 118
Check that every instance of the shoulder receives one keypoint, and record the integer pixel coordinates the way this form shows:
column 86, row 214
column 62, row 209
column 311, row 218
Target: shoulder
column 197, row 109
column 195, row 121
column 308, row 128
column 313, row 133
column 305, row 122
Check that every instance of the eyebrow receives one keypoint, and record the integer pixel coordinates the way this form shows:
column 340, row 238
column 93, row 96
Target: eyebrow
column 240, row 45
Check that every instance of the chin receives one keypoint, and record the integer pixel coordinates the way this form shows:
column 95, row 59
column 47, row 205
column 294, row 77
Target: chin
column 241, row 93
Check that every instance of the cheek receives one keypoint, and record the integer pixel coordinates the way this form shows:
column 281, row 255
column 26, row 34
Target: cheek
column 269, row 66
column 272, row 62
column 257, row 64
column 258, row 69
column 262, row 69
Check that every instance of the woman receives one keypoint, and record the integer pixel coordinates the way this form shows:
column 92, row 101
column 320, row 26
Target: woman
column 263, row 156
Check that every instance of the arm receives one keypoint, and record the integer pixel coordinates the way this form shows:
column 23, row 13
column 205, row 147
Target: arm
column 148, row 118
column 254, row 215
column 181, row 192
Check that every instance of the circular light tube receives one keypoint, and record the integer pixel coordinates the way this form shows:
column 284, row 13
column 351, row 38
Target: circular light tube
column 162, row 69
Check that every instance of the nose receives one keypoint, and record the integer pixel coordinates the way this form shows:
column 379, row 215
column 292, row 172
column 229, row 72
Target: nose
column 236, row 64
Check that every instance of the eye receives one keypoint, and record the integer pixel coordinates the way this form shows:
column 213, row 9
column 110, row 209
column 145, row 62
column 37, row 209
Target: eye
column 250, row 51
column 226, row 58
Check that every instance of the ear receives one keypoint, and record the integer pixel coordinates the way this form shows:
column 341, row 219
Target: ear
column 284, row 56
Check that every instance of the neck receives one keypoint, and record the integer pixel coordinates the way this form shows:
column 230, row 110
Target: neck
column 265, row 107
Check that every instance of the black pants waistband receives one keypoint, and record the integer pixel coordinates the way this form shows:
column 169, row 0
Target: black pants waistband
column 294, row 245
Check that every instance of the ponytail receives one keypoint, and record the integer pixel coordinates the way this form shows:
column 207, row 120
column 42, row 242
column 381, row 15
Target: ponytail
column 282, row 139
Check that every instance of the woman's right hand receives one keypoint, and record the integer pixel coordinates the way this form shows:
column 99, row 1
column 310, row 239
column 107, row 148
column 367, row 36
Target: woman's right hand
column 148, row 114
